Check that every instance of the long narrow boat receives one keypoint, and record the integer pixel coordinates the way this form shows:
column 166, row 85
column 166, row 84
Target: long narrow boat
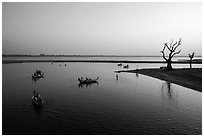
column 87, row 81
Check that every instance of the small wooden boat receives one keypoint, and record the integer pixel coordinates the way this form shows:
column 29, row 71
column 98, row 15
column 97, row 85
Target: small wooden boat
column 120, row 64
column 37, row 100
column 38, row 74
column 87, row 80
column 126, row 66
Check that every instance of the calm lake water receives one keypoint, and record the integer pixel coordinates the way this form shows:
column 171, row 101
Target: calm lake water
column 133, row 104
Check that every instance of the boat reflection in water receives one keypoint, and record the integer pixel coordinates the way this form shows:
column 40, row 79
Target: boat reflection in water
column 80, row 85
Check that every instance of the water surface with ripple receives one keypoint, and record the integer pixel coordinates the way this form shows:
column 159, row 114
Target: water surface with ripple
column 132, row 104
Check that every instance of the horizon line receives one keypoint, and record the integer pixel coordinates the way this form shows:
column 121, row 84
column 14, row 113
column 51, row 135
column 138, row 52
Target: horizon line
column 91, row 55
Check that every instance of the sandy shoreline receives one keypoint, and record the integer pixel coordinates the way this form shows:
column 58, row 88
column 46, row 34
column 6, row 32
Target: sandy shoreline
column 190, row 78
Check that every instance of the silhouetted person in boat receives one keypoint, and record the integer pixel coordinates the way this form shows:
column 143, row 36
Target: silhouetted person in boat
column 80, row 79
column 36, row 96
column 38, row 72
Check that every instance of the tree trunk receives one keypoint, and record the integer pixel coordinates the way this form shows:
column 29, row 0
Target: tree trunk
column 169, row 67
column 190, row 63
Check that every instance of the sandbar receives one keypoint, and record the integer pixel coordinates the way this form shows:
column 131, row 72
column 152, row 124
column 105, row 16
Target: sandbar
column 190, row 78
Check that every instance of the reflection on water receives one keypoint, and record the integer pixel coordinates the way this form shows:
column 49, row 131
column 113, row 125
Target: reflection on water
column 38, row 110
column 166, row 89
column 168, row 93
column 122, row 104
column 36, row 79
column 87, row 84
column 116, row 77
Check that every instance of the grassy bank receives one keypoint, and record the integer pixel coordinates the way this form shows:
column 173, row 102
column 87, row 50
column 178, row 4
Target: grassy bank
column 190, row 78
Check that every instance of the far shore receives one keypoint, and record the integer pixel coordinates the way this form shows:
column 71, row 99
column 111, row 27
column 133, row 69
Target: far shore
column 7, row 61
column 190, row 78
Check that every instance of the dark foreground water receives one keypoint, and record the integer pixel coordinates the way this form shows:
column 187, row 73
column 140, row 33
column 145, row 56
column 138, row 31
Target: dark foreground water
column 133, row 104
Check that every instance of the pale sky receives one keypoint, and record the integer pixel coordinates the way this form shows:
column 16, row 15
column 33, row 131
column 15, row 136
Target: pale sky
column 100, row 28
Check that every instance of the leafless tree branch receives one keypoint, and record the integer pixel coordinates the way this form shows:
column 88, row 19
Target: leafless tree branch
column 191, row 55
column 167, row 46
column 179, row 43
column 171, row 44
column 176, row 53
column 163, row 53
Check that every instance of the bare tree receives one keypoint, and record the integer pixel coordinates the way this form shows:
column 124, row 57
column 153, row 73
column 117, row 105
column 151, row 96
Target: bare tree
column 171, row 48
column 191, row 58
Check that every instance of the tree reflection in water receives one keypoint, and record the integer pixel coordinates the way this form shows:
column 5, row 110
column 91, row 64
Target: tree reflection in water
column 168, row 93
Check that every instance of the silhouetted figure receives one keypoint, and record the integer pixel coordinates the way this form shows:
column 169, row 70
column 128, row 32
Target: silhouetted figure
column 117, row 77
column 36, row 96
column 136, row 74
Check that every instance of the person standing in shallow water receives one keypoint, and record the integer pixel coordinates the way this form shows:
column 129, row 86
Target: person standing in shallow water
column 117, row 77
